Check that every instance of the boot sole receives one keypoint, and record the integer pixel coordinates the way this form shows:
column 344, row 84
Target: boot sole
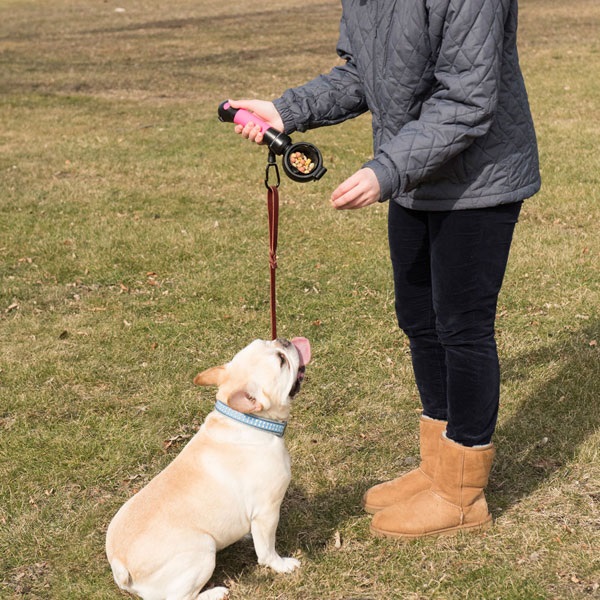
column 371, row 509
column 439, row 533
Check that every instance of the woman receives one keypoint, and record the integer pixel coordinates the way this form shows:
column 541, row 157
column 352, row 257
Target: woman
column 455, row 153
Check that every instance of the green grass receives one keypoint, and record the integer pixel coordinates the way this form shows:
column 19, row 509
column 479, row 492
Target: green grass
column 133, row 253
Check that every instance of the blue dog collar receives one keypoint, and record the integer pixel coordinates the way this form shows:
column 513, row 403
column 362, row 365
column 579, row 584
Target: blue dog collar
column 275, row 427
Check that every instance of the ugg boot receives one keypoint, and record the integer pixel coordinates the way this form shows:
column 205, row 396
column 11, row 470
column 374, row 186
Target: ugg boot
column 455, row 501
column 415, row 481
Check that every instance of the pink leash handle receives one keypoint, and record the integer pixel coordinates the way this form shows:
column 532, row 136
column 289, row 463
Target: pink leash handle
column 240, row 116
column 276, row 140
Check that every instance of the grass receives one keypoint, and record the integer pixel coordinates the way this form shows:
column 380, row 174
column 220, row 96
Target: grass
column 133, row 244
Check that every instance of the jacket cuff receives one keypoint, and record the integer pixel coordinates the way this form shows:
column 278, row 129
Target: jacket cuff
column 384, row 177
column 287, row 116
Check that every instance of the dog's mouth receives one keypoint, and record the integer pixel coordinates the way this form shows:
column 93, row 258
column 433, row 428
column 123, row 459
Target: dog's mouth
column 298, row 383
column 302, row 346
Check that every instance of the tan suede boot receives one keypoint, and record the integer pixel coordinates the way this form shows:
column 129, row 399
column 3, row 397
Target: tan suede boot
column 415, row 481
column 455, row 501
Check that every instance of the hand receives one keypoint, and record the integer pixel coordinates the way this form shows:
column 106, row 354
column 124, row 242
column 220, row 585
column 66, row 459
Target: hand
column 358, row 191
column 263, row 109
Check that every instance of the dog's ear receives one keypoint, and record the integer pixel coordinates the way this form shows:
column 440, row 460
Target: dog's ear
column 243, row 402
column 212, row 376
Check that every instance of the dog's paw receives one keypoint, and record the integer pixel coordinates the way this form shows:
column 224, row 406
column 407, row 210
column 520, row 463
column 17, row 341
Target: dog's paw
column 284, row 565
column 216, row 593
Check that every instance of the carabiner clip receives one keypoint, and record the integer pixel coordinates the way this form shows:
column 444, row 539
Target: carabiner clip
column 272, row 164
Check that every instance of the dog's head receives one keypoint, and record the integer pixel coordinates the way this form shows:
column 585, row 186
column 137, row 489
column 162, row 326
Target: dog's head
column 261, row 378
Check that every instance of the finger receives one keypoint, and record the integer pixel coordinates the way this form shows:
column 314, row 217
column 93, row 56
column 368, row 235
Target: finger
column 357, row 197
column 246, row 104
column 245, row 130
column 362, row 202
column 347, row 200
column 353, row 204
column 248, row 130
column 344, row 188
column 347, row 192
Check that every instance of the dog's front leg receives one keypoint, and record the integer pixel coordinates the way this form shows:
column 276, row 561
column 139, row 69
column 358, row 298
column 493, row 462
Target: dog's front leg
column 264, row 527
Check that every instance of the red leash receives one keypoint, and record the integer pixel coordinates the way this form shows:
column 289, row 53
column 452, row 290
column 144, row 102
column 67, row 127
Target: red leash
column 273, row 211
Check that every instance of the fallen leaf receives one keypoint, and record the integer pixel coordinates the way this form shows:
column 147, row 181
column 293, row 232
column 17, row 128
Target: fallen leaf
column 337, row 540
column 175, row 440
column 546, row 463
column 13, row 306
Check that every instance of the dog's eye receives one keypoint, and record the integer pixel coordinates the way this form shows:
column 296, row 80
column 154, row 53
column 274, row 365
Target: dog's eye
column 282, row 359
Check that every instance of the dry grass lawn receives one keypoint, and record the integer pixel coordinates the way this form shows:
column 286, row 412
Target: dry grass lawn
column 133, row 253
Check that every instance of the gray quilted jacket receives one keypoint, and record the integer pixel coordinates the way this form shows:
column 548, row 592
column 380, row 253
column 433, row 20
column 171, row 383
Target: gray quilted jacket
column 451, row 122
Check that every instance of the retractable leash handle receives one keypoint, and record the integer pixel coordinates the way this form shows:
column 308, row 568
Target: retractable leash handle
column 301, row 162
column 276, row 140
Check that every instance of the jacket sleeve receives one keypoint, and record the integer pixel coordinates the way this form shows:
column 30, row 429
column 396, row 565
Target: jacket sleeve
column 328, row 99
column 461, row 108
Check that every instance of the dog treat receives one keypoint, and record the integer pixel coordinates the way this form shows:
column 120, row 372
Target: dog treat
column 301, row 162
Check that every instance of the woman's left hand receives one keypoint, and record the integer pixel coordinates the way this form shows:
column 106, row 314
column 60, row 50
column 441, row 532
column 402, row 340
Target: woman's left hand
column 358, row 191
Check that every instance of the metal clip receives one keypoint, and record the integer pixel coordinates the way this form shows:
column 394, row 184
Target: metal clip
column 272, row 165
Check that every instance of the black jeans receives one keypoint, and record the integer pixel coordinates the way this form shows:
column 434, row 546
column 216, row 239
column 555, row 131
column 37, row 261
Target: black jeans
column 448, row 271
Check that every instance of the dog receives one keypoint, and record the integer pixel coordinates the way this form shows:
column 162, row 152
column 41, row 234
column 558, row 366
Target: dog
column 228, row 481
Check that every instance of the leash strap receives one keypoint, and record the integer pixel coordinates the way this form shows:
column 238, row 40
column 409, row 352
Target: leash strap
column 273, row 212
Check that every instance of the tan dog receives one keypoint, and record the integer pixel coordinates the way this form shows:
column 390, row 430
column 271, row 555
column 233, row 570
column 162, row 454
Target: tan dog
column 228, row 481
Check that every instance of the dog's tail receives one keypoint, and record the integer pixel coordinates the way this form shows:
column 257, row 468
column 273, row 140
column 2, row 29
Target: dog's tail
column 121, row 574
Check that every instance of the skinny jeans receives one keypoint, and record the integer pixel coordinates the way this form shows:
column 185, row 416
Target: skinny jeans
column 448, row 270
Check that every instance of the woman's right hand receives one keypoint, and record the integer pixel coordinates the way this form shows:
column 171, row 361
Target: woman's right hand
column 263, row 109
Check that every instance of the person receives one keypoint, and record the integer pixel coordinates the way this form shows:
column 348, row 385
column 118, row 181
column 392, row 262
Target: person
column 455, row 153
